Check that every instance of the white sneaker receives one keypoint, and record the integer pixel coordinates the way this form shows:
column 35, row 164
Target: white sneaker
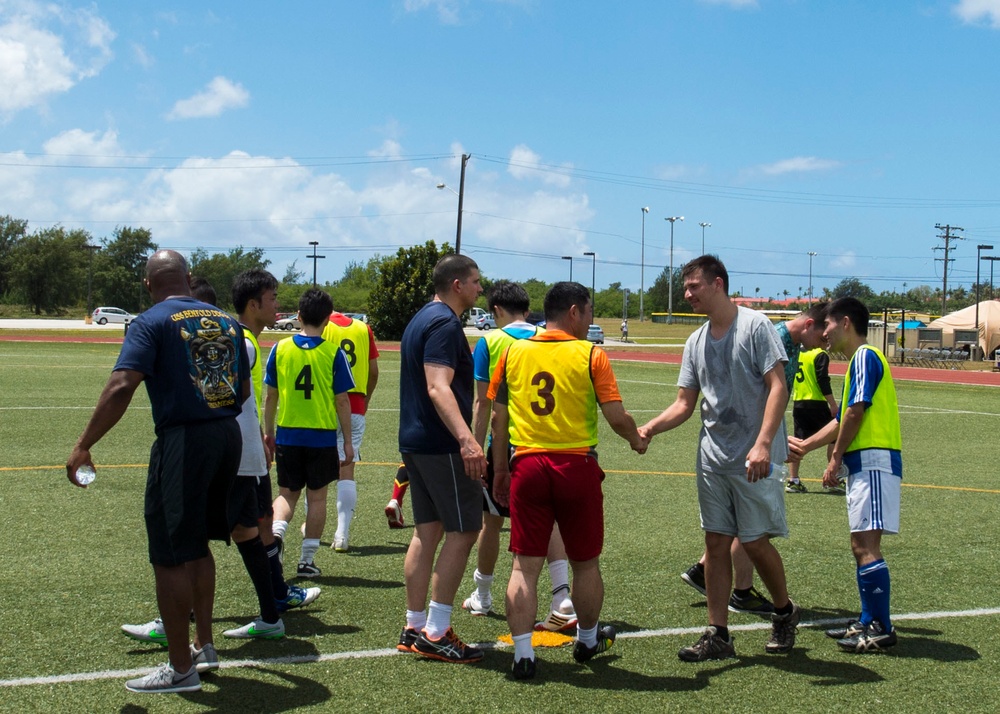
column 163, row 680
column 557, row 622
column 476, row 605
column 206, row 659
column 150, row 632
column 340, row 545
column 258, row 630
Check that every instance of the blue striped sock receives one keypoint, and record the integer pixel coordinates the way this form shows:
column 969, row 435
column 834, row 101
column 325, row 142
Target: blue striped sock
column 874, row 579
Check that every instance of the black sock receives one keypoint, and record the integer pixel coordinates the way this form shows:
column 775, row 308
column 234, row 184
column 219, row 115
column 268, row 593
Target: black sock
column 786, row 610
column 740, row 593
column 256, row 561
column 722, row 632
column 278, row 585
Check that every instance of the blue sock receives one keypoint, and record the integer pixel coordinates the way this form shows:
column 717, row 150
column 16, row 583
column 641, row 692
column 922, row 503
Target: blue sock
column 874, row 579
column 865, row 617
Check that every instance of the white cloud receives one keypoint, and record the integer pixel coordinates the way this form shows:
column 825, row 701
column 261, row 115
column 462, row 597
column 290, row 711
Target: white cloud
column 102, row 150
column 141, row 55
column 842, row 261
column 447, row 10
column 526, row 164
column 797, row 164
column 219, row 95
column 45, row 50
column 974, row 11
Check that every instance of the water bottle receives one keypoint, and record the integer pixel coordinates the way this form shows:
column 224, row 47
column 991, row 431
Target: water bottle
column 85, row 475
column 778, row 470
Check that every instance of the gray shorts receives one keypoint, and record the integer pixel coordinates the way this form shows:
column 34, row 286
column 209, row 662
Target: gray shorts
column 440, row 491
column 733, row 506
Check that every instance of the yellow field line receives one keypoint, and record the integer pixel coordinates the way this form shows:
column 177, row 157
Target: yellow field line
column 687, row 474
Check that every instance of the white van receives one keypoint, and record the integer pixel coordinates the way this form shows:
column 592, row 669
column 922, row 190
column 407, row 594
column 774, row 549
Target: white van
column 474, row 314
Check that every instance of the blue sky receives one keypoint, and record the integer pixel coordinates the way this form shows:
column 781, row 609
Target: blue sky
column 848, row 129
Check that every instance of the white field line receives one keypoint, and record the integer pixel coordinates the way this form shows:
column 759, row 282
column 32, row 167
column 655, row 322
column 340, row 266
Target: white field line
column 371, row 654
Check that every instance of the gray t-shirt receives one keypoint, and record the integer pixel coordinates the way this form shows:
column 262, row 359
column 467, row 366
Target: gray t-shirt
column 729, row 373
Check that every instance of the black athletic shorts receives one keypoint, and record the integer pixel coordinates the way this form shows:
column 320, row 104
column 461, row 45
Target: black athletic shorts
column 809, row 417
column 191, row 468
column 249, row 501
column 310, row 467
column 440, row 491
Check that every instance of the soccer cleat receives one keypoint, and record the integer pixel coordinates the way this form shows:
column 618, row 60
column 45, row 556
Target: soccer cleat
column 308, row 570
column 523, row 668
column 394, row 513
column 407, row 638
column 710, row 646
column 840, row 488
column 752, row 604
column 695, row 577
column 297, row 597
column 795, row 487
column 476, row 605
column 150, row 632
column 557, row 621
column 852, row 629
column 258, row 630
column 447, row 648
column 605, row 638
column 783, row 628
column 874, row 638
column 340, row 545
column 163, row 680
column 205, row 659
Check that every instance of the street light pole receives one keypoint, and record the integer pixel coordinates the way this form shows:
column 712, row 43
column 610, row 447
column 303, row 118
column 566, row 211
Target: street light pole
column 315, row 257
column 670, row 283
column 461, row 199
column 593, row 276
column 570, row 259
column 812, row 254
column 703, row 227
column 642, row 264
column 979, row 259
column 993, row 259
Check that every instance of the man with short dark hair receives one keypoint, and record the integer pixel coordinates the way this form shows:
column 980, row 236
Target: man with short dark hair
column 192, row 359
column 736, row 362
column 445, row 463
column 546, row 393
column 868, row 445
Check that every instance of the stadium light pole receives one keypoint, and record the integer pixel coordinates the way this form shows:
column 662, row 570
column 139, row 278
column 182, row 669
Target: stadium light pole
column 670, row 277
column 461, row 199
column 993, row 259
column 570, row 259
column 703, row 227
column 812, row 254
column 642, row 264
column 979, row 259
column 593, row 276
column 315, row 257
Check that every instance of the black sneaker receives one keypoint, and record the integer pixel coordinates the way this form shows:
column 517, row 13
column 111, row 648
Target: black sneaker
column 605, row 638
column 308, row 570
column 852, row 629
column 447, row 648
column 523, row 668
column 406, row 639
column 783, row 628
column 710, row 646
column 873, row 639
column 753, row 604
column 695, row 577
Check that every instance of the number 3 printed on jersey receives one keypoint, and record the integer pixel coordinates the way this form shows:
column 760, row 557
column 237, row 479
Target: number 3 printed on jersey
column 546, row 403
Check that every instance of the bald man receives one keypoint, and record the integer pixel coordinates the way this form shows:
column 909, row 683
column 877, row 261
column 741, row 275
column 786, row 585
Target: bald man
column 192, row 358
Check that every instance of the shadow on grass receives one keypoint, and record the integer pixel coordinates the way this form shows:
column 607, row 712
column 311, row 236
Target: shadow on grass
column 245, row 694
column 351, row 582
column 366, row 551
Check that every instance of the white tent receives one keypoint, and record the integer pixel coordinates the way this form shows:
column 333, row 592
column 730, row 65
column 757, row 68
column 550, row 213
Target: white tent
column 965, row 319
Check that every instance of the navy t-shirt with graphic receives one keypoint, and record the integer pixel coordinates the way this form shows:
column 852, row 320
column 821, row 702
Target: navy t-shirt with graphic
column 194, row 361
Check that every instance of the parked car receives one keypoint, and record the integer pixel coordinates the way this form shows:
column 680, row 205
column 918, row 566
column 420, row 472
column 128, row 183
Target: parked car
column 474, row 314
column 486, row 322
column 595, row 333
column 104, row 315
column 357, row 316
column 288, row 323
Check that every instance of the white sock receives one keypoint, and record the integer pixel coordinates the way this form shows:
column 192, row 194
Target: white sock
column 347, row 499
column 483, row 584
column 438, row 620
column 417, row 619
column 309, row 548
column 522, row 647
column 559, row 574
column 588, row 637
column 278, row 528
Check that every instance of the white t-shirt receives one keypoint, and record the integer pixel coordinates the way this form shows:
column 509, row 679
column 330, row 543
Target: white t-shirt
column 253, row 461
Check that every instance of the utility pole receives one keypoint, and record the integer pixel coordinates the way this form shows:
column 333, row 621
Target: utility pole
column 947, row 237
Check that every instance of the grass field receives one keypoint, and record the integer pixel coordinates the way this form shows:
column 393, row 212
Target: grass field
column 75, row 568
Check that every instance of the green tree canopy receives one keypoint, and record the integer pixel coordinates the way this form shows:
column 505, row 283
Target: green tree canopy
column 12, row 231
column 404, row 284
column 49, row 268
column 120, row 266
column 221, row 269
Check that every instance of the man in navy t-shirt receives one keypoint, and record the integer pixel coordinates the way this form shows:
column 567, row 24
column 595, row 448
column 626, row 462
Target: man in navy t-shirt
column 445, row 462
column 193, row 360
